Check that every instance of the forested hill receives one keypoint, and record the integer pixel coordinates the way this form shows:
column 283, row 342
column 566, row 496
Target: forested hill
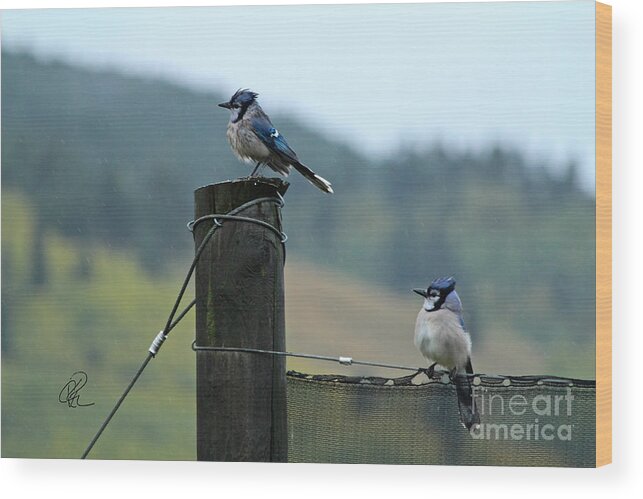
column 115, row 159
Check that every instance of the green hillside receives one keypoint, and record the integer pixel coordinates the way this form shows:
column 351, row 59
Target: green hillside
column 103, row 322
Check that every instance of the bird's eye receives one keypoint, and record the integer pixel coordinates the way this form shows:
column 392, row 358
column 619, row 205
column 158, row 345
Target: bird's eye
column 236, row 106
column 434, row 294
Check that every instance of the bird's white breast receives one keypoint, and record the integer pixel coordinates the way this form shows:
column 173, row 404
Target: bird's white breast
column 440, row 338
column 245, row 144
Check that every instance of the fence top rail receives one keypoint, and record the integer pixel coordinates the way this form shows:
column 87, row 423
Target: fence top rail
column 442, row 377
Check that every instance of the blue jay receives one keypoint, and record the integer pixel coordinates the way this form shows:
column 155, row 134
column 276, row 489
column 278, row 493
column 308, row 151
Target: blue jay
column 441, row 338
column 253, row 138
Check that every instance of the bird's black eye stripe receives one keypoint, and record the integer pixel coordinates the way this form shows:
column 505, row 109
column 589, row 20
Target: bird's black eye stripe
column 243, row 107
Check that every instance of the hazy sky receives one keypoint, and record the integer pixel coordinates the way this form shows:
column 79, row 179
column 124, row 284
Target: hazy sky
column 378, row 77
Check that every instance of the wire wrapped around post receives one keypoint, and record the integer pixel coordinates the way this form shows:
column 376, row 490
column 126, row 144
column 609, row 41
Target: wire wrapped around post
column 241, row 399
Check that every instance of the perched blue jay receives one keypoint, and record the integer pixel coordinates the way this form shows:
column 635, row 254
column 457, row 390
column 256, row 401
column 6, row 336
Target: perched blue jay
column 253, row 138
column 441, row 338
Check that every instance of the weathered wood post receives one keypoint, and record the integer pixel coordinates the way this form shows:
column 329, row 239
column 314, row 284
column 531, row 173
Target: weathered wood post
column 241, row 397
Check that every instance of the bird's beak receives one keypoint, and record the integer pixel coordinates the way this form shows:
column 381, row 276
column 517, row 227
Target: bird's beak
column 224, row 104
column 420, row 291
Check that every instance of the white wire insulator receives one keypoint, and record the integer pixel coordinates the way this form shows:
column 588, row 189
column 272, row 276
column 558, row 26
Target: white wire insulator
column 156, row 344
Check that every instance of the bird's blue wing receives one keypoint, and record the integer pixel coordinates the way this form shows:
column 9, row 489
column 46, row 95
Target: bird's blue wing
column 454, row 304
column 277, row 143
column 271, row 137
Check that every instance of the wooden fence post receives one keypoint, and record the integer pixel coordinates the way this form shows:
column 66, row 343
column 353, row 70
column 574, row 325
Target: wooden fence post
column 241, row 397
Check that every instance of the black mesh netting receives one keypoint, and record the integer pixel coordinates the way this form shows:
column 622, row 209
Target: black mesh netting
column 525, row 421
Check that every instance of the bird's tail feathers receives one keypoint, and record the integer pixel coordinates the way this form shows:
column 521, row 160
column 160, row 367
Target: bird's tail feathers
column 469, row 415
column 319, row 182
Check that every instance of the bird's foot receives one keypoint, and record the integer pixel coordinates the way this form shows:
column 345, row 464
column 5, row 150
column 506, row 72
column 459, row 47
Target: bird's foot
column 429, row 371
column 453, row 374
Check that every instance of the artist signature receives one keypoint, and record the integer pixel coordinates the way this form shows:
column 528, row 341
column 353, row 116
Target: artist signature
column 70, row 394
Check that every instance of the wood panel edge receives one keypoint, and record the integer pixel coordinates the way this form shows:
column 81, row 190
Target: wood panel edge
column 603, row 234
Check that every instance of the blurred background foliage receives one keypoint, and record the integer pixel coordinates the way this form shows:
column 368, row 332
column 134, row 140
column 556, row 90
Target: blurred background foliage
column 98, row 174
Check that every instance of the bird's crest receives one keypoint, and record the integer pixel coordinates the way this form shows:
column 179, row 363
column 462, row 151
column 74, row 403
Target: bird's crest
column 243, row 96
column 443, row 284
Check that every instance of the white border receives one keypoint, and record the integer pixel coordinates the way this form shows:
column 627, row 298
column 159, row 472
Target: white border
column 109, row 479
